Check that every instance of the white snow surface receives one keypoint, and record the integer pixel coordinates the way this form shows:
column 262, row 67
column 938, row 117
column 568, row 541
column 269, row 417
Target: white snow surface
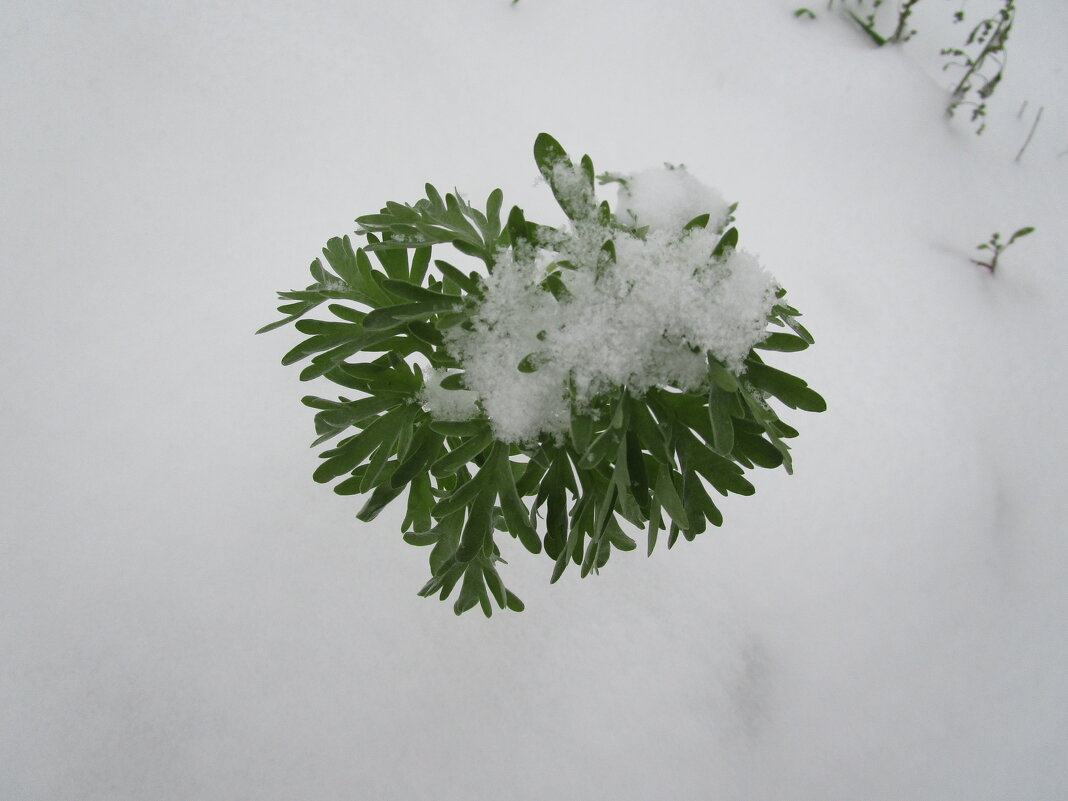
column 185, row 615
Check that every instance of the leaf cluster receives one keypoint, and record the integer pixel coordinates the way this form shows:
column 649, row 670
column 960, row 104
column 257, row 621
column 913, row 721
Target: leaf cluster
column 996, row 246
column 629, row 460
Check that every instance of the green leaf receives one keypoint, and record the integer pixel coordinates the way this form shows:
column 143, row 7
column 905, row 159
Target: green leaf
column 557, row 538
column 422, row 538
column 424, row 448
column 720, row 405
column 527, row 482
column 465, row 282
column 448, row 530
column 420, row 261
column 453, row 381
column 581, row 431
column 351, row 452
column 868, row 29
column 604, row 444
column 604, row 214
column 782, row 342
column 621, row 480
column 693, row 497
column 420, row 500
column 636, row 472
column 719, row 374
column 515, row 513
column 673, row 534
column 347, row 313
column 590, row 559
column 513, row 602
column 700, row 505
column 465, row 428
column 470, row 589
column 655, row 523
column 518, row 232
column 479, row 526
column 463, row 454
column 528, row 364
column 378, row 501
column 319, row 343
column 402, row 213
column 721, row 472
column 809, row 400
column 495, row 585
column 758, row 450
column 619, row 538
column 609, row 249
column 449, row 579
column 394, row 260
column 587, row 168
column 469, row 249
column 394, row 316
column 649, row 433
column 790, row 389
column 419, row 294
column 337, row 417
column 548, row 153
column 458, row 499
column 553, row 284
column 383, row 379
column 425, row 332
column 727, row 242
column 700, row 221
column 342, row 258
column 377, row 466
column 493, row 209
column 665, row 490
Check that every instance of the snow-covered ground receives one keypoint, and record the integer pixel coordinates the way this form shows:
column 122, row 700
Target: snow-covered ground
column 184, row 614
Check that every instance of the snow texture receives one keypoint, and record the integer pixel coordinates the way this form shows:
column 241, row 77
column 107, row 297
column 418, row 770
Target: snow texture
column 667, row 198
column 647, row 318
column 184, row 614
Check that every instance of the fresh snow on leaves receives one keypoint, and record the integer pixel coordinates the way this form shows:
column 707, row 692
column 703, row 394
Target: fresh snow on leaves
column 644, row 318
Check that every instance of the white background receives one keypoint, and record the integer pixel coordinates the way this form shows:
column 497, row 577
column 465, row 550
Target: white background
column 184, row 614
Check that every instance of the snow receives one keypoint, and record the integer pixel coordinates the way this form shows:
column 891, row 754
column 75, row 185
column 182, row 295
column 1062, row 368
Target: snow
column 447, row 404
column 185, row 614
column 572, row 184
column 646, row 319
column 667, row 198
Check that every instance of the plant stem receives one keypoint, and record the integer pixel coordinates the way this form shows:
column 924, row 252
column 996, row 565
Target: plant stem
column 902, row 20
column 993, row 43
column 1030, row 135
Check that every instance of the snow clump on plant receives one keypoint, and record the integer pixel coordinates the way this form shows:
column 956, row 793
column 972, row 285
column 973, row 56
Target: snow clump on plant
column 634, row 305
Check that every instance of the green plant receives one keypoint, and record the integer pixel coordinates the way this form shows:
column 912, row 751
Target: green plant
column 984, row 46
column 997, row 247
column 867, row 23
column 500, row 395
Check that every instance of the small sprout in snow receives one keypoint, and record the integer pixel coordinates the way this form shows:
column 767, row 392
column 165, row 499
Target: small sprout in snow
column 997, row 247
